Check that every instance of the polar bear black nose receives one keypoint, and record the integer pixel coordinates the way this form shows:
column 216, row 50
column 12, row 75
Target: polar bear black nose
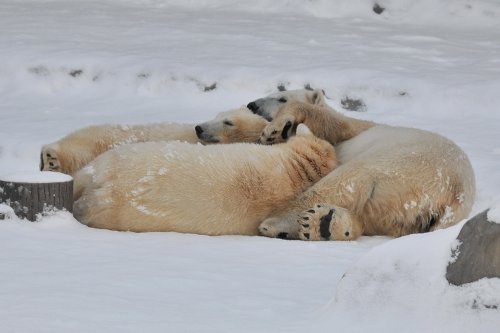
column 252, row 106
column 198, row 130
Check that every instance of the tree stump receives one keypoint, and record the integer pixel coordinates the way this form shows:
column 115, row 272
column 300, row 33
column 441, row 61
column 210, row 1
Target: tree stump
column 31, row 194
column 478, row 255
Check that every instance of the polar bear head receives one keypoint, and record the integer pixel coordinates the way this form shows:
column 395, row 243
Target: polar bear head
column 267, row 107
column 239, row 125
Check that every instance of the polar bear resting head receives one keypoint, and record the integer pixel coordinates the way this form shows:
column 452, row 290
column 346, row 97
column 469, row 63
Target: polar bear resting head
column 75, row 150
column 238, row 125
column 268, row 106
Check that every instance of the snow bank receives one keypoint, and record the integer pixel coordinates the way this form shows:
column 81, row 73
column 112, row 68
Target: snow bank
column 403, row 281
column 6, row 212
column 483, row 12
column 494, row 213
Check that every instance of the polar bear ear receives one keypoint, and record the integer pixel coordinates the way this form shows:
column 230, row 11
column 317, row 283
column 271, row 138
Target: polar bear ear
column 316, row 96
column 303, row 130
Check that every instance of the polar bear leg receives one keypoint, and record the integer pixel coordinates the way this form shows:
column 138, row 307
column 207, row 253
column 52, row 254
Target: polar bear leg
column 285, row 227
column 49, row 160
column 328, row 222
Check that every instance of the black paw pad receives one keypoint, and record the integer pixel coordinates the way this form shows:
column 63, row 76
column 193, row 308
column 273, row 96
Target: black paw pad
column 324, row 224
column 284, row 133
column 282, row 235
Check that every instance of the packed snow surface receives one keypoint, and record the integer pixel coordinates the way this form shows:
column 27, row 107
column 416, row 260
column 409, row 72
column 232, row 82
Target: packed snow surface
column 36, row 177
column 65, row 64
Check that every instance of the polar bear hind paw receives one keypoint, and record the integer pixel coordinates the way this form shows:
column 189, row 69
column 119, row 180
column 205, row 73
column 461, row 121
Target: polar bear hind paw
column 283, row 227
column 326, row 222
column 49, row 160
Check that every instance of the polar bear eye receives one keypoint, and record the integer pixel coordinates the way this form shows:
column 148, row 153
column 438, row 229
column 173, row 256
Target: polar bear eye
column 282, row 100
column 228, row 123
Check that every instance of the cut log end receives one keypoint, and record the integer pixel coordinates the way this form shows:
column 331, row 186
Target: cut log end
column 32, row 194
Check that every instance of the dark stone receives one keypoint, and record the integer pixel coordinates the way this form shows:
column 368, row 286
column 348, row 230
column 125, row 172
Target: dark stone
column 307, row 86
column 76, row 72
column 281, row 86
column 353, row 104
column 211, row 87
column 478, row 255
column 378, row 9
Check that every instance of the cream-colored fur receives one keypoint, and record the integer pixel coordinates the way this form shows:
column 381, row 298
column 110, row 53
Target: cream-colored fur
column 232, row 126
column 391, row 180
column 71, row 153
column 269, row 106
column 211, row 190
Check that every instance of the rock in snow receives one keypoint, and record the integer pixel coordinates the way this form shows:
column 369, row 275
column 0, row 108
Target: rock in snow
column 478, row 254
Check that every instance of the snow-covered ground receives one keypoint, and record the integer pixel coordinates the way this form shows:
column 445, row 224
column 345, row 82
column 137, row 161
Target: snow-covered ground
column 65, row 64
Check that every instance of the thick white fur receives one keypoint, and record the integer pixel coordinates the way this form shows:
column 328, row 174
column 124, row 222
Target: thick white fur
column 391, row 180
column 269, row 106
column 211, row 190
column 71, row 153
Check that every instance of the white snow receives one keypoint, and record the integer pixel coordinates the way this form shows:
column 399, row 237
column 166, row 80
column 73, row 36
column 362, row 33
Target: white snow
column 494, row 214
column 36, row 177
column 65, row 64
column 406, row 279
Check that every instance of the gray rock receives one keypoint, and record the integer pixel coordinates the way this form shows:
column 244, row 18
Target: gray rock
column 478, row 255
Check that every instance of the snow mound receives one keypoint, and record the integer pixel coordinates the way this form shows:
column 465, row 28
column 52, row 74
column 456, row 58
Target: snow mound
column 494, row 214
column 407, row 11
column 6, row 212
column 405, row 279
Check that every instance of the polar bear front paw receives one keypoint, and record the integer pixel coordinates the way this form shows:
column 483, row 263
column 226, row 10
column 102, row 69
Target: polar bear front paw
column 278, row 131
column 326, row 222
column 49, row 160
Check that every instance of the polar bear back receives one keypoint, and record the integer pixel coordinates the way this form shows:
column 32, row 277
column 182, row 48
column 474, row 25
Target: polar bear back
column 175, row 186
column 414, row 171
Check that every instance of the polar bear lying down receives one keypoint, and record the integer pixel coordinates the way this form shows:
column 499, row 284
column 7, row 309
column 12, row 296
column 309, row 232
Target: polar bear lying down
column 74, row 151
column 391, row 180
column 210, row 190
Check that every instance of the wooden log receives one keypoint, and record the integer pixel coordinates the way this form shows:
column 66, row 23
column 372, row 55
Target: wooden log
column 31, row 194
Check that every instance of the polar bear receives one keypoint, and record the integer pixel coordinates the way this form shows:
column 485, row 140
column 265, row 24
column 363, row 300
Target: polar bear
column 190, row 188
column 391, row 180
column 71, row 153
column 268, row 106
